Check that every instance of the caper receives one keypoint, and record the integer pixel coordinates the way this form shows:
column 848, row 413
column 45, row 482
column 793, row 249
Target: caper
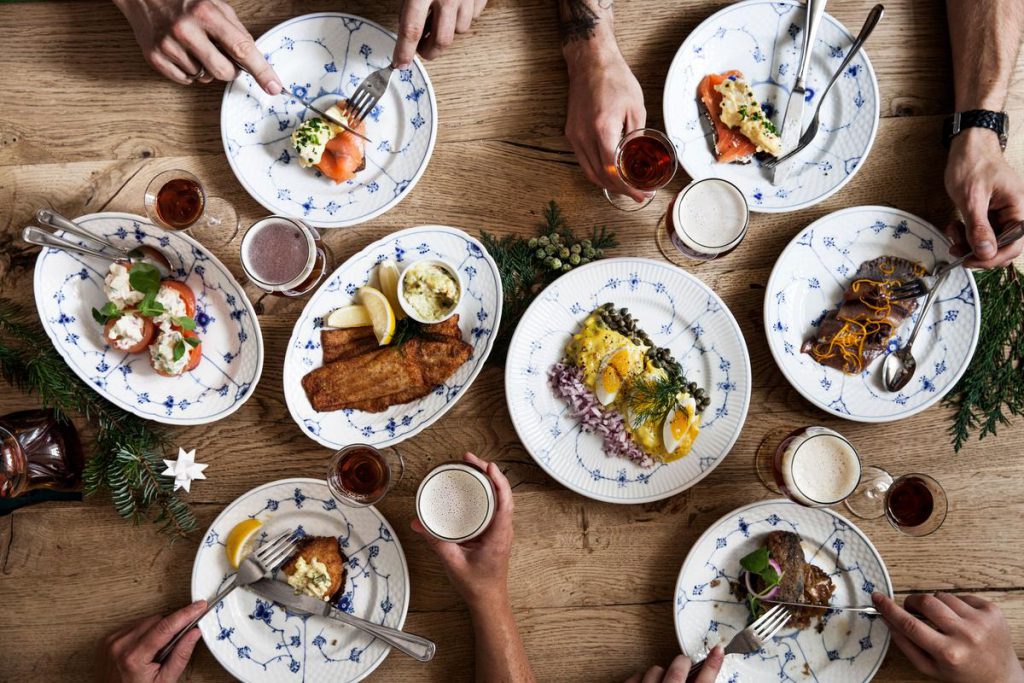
column 656, row 364
column 623, row 311
column 608, row 305
column 691, row 387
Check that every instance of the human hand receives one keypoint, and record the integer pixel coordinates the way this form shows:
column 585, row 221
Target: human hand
column 129, row 652
column 479, row 568
column 680, row 667
column 605, row 101
column 188, row 40
column 967, row 639
column 447, row 17
column 989, row 194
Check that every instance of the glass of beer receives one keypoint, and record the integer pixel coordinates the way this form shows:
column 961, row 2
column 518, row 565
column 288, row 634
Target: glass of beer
column 284, row 256
column 455, row 502
column 706, row 220
column 645, row 160
column 914, row 504
column 812, row 466
column 359, row 475
column 177, row 200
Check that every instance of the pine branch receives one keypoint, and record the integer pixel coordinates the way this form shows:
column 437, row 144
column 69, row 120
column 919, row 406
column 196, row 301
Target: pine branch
column 991, row 392
column 124, row 458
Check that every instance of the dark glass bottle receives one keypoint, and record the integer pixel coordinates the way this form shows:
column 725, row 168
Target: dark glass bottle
column 38, row 452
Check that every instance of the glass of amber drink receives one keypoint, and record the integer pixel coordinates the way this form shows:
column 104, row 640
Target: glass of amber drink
column 177, row 200
column 645, row 160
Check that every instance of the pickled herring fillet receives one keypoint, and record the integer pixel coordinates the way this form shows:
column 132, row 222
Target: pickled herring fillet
column 355, row 341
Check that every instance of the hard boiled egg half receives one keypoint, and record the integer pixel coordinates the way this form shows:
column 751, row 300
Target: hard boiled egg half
column 682, row 424
column 613, row 371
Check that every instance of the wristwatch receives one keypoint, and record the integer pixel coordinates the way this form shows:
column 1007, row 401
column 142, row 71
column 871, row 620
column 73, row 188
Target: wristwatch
column 996, row 121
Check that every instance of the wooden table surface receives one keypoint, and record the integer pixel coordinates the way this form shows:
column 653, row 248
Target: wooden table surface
column 84, row 124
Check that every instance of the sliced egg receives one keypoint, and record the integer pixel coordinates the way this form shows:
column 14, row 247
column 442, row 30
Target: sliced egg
column 614, row 369
column 681, row 427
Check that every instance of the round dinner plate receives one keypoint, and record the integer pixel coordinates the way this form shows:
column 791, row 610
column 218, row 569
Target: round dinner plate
column 808, row 281
column 680, row 313
column 68, row 286
column 764, row 39
column 850, row 647
column 479, row 313
column 257, row 640
column 324, row 57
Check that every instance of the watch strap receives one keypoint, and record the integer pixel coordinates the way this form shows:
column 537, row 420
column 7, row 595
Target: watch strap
column 996, row 121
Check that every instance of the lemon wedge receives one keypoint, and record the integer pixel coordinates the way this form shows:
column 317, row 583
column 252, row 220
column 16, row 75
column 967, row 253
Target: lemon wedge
column 382, row 316
column 349, row 316
column 237, row 544
column 387, row 273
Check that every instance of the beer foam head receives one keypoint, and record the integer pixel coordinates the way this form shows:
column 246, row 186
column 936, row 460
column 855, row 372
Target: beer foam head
column 454, row 503
column 710, row 216
column 824, row 467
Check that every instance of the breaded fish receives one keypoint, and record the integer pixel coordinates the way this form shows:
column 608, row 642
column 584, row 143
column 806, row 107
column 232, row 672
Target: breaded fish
column 355, row 341
column 323, row 549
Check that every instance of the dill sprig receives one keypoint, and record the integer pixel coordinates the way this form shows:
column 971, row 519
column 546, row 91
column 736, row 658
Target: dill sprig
column 525, row 272
column 992, row 388
column 651, row 398
column 125, row 457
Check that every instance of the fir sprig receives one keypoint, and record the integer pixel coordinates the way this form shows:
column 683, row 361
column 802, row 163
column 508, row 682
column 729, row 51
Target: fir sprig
column 991, row 391
column 124, row 458
column 524, row 274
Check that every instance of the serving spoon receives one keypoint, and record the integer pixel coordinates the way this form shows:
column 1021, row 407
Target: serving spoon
column 900, row 365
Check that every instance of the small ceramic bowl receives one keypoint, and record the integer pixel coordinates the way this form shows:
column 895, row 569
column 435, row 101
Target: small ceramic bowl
column 419, row 265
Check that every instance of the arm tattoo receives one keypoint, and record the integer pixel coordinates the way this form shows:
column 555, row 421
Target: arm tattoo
column 576, row 20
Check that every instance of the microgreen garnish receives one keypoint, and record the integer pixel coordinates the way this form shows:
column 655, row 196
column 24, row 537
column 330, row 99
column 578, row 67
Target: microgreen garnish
column 192, row 341
column 145, row 278
column 651, row 398
column 757, row 564
column 149, row 306
column 179, row 350
column 184, row 322
column 108, row 312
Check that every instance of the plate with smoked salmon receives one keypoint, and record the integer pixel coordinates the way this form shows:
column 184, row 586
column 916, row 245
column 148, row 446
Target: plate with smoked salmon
column 296, row 163
column 728, row 87
column 358, row 369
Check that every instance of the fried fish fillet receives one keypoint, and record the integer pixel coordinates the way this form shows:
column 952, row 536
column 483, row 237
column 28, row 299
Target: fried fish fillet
column 355, row 341
column 323, row 549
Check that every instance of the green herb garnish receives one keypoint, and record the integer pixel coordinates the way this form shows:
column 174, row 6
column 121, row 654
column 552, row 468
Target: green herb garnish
column 145, row 278
column 184, row 322
column 651, row 398
column 179, row 350
column 756, row 563
column 192, row 341
column 108, row 312
column 149, row 306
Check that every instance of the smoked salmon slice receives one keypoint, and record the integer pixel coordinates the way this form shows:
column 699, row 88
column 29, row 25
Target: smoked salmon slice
column 344, row 155
column 730, row 145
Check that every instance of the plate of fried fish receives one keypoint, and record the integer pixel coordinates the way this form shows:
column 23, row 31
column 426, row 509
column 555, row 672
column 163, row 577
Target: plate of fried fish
column 349, row 557
column 776, row 549
column 359, row 369
column 727, row 90
column 831, row 319
column 628, row 380
column 297, row 163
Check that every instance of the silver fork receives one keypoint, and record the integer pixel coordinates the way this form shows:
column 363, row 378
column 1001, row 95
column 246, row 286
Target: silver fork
column 753, row 637
column 919, row 287
column 253, row 567
column 369, row 92
column 812, row 130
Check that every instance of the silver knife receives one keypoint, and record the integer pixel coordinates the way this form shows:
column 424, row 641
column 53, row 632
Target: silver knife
column 417, row 647
column 308, row 105
column 792, row 123
column 831, row 608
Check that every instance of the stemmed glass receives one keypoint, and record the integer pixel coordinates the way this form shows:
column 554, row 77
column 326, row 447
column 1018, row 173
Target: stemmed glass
column 645, row 160
column 177, row 200
column 914, row 504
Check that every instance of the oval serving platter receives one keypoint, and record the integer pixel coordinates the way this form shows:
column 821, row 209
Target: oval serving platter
column 68, row 286
column 763, row 39
column 808, row 281
column 479, row 315
column 323, row 57
column 679, row 312
column 849, row 648
column 259, row 641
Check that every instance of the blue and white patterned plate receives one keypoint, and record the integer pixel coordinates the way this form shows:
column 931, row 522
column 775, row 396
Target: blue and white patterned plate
column 68, row 286
column 849, row 649
column 680, row 313
column 324, row 57
column 479, row 314
column 808, row 281
column 763, row 39
column 258, row 641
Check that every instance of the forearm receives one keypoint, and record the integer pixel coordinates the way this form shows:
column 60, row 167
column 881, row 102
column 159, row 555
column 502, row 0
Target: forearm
column 587, row 31
column 500, row 655
column 985, row 36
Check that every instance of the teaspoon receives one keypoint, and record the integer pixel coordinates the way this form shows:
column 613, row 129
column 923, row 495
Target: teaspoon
column 900, row 365
column 143, row 254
